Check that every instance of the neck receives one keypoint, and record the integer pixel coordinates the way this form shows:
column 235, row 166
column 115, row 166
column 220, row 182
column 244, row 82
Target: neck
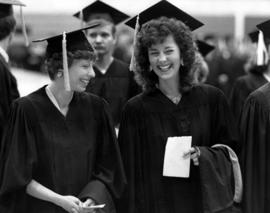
column 5, row 43
column 103, row 62
column 62, row 96
column 169, row 87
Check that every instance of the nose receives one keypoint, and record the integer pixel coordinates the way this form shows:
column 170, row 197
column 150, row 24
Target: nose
column 98, row 38
column 91, row 72
column 162, row 57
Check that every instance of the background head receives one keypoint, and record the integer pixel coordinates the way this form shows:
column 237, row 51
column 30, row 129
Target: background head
column 104, row 37
column 7, row 19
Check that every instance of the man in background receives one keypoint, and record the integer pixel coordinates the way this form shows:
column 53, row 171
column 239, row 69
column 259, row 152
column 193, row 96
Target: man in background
column 114, row 82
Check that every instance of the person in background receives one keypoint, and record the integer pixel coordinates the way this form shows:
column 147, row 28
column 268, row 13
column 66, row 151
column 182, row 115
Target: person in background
column 8, row 83
column 172, row 106
column 254, row 135
column 60, row 152
column 113, row 82
column 201, row 70
column 256, row 77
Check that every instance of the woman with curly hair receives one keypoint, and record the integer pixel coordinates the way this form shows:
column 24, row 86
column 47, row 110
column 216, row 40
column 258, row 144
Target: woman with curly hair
column 60, row 152
column 169, row 108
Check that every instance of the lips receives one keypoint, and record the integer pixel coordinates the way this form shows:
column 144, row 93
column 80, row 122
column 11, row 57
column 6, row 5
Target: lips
column 85, row 81
column 164, row 68
column 99, row 47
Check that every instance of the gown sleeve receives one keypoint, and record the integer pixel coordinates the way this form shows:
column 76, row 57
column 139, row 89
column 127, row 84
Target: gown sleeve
column 17, row 157
column 109, row 177
column 214, row 163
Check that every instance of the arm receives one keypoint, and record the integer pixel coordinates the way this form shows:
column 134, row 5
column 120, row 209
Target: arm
column 68, row 202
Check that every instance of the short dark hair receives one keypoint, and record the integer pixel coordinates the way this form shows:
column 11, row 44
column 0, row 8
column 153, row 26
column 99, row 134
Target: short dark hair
column 7, row 25
column 55, row 62
column 156, row 31
column 104, row 22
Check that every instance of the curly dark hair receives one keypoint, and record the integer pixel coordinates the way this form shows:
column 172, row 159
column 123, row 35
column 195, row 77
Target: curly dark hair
column 7, row 25
column 156, row 31
column 55, row 62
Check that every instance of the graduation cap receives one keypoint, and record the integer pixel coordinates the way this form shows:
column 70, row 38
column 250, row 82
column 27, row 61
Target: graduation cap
column 254, row 36
column 101, row 10
column 265, row 28
column 6, row 10
column 68, row 42
column 264, row 34
column 204, row 48
column 164, row 8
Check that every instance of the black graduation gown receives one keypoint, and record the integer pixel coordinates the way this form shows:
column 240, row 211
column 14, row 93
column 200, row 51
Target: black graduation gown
column 73, row 155
column 148, row 120
column 243, row 86
column 255, row 158
column 8, row 92
column 116, row 86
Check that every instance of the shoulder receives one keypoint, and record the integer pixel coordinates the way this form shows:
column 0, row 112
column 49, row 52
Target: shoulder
column 27, row 102
column 205, row 94
column 87, row 99
column 135, row 103
column 207, row 91
column 120, row 63
column 261, row 96
column 120, row 66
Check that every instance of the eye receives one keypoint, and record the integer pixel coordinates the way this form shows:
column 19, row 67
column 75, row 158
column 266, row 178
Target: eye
column 105, row 35
column 153, row 53
column 92, row 35
column 86, row 66
column 169, row 51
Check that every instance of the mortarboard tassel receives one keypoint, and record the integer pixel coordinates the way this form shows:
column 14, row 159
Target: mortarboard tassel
column 132, row 66
column 81, row 18
column 262, row 55
column 24, row 28
column 65, row 63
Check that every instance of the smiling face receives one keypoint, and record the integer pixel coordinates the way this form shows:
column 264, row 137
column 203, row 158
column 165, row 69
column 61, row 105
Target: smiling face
column 80, row 73
column 165, row 59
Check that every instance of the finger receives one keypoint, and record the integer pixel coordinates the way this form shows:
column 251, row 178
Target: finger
column 194, row 156
column 73, row 210
column 88, row 202
column 186, row 154
column 196, row 161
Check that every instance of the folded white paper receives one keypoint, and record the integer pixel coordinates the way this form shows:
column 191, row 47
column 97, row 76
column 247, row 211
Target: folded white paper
column 175, row 165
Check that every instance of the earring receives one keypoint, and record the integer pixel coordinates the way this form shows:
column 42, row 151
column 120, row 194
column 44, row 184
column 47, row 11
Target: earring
column 181, row 62
column 59, row 74
column 150, row 68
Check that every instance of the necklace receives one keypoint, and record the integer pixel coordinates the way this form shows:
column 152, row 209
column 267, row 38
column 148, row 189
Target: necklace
column 174, row 98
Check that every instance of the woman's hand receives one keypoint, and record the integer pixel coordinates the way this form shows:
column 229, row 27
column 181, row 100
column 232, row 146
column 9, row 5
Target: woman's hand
column 89, row 202
column 194, row 153
column 70, row 203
